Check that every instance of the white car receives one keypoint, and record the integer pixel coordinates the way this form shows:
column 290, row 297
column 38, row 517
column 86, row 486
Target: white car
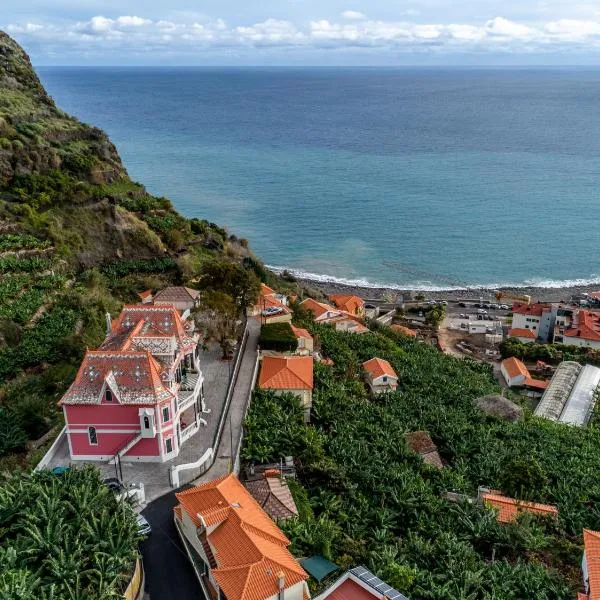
column 481, row 311
column 272, row 310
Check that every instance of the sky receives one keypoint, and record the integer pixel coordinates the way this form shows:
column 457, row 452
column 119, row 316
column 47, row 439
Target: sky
column 305, row 32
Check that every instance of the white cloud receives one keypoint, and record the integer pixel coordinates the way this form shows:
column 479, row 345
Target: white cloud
column 509, row 29
column 133, row 21
column 184, row 34
column 353, row 15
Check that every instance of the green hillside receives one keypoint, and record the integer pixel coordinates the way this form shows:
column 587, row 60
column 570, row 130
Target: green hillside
column 77, row 238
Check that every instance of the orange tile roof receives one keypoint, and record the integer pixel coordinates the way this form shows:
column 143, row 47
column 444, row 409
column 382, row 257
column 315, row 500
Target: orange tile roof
column 299, row 332
column 535, row 383
column 586, row 325
column 317, row 308
column 286, row 373
column 519, row 332
column 509, row 508
column 250, row 550
column 377, row 367
column 591, row 543
column 144, row 295
column 265, row 290
column 347, row 302
column 514, row 367
column 582, row 596
column 535, row 310
column 404, row 330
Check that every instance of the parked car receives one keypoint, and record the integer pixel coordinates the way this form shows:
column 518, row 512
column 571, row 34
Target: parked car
column 462, row 316
column 505, row 307
column 113, row 484
column 481, row 311
column 143, row 525
column 462, row 304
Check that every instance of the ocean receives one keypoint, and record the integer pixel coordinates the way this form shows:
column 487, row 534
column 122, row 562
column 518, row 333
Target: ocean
column 411, row 177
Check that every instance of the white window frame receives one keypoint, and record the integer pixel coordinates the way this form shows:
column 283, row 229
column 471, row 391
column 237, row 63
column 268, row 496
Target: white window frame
column 168, row 441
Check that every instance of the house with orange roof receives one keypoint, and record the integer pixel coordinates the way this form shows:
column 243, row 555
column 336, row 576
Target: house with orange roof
column 236, row 550
column 590, row 565
column 138, row 397
column 523, row 335
column 182, row 298
column 404, row 330
column 380, row 375
column 509, row 509
column 349, row 303
column 338, row 318
column 583, row 330
column 538, row 318
column 289, row 374
column 516, row 374
column 271, row 307
column 305, row 340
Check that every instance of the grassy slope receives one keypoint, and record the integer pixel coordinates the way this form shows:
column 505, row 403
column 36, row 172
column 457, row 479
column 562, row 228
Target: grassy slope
column 77, row 238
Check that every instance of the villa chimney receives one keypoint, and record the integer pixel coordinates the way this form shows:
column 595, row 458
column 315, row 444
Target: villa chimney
column 281, row 579
column 108, row 324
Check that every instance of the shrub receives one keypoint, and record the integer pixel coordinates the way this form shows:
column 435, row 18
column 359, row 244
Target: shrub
column 278, row 337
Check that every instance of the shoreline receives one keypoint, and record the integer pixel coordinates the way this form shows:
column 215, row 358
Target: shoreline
column 538, row 294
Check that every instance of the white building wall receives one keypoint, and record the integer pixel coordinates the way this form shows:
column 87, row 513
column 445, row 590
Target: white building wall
column 526, row 322
column 580, row 342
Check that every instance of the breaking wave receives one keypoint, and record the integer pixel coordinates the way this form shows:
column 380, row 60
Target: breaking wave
column 430, row 286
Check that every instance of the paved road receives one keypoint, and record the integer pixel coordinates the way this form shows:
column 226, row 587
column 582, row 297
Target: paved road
column 237, row 408
column 169, row 574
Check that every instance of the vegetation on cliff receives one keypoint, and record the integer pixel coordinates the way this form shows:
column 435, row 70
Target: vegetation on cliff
column 372, row 501
column 77, row 239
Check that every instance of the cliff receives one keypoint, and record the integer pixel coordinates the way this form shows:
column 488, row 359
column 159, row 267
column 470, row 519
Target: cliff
column 77, row 238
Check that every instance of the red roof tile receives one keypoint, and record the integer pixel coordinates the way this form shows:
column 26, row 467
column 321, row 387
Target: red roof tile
column 133, row 377
column 524, row 333
column 535, row 383
column 299, row 332
column 377, row 367
column 250, row 550
column 348, row 303
column 535, row 310
column 591, row 543
column 509, row 508
column 176, row 294
column 585, row 325
column 514, row 367
column 286, row 373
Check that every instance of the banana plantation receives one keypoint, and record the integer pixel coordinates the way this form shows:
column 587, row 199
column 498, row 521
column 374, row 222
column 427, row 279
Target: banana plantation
column 365, row 498
column 64, row 537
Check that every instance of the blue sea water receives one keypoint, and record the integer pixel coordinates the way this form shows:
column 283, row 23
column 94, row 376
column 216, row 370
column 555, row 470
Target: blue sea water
column 413, row 177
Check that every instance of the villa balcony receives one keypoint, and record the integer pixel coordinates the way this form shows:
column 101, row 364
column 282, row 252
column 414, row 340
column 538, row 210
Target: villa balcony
column 190, row 390
column 189, row 431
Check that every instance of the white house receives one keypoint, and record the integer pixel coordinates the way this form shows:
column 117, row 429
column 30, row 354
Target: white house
column 380, row 375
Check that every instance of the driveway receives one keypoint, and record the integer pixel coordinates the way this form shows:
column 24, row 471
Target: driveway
column 169, row 574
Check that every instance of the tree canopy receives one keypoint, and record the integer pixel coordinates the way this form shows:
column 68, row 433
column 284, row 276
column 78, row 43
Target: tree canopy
column 64, row 537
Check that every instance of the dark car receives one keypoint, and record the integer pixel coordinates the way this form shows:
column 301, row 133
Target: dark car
column 113, row 484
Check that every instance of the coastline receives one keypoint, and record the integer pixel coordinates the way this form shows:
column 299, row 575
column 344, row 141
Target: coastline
column 541, row 294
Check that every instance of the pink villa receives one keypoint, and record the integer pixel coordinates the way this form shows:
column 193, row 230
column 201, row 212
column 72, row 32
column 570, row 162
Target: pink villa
column 138, row 397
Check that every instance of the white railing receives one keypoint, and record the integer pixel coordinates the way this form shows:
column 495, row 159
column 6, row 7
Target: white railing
column 189, row 431
column 205, row 461
column 47, row 458
column 187, row 397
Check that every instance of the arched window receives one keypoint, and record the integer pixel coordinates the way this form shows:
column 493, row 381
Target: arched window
column 93, row 438
column 108, row 395
column 146, row 423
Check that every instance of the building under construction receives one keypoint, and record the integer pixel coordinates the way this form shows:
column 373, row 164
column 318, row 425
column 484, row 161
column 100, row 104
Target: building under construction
column 571, row 394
